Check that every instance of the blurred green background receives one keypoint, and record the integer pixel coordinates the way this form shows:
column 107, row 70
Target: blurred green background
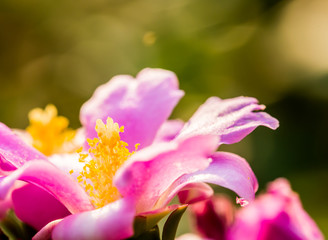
column 277, row 51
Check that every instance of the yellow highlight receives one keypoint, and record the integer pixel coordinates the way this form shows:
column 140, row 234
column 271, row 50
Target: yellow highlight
column 108, row 153
column 49, row 131
column 149, row 38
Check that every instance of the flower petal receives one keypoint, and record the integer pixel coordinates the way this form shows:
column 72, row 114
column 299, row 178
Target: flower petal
column 227, row 170
column 37, row 207
column 141, row 105
column 231, row 119
column 111, row 222
column 14, row 152
column 50, row 178
column 149, row 172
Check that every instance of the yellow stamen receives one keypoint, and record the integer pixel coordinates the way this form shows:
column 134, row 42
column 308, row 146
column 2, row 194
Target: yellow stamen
column 49, row 131
column 108, row 153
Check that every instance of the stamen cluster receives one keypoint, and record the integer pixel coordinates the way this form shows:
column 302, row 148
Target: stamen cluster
column 107, row 153
column 49, row 131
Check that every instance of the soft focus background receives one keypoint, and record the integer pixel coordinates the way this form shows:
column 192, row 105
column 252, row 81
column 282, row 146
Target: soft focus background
column 277, row 51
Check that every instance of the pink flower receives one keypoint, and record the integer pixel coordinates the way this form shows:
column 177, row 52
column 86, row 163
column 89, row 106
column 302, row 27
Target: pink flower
column 274, row 215
column 213, row 217
column 278, row 214
column 173, row 158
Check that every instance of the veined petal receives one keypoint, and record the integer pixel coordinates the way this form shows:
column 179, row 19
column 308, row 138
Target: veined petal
column 150, row 171
column 50, row 178
column 226, row 169
column 36, row 206
column 231, row 119
column 14, row 152
column 111, row 222
column 141, row 105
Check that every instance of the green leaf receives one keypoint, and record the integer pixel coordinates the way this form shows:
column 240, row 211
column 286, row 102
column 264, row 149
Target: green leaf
column 144, row 223
column 152, row 234
column 171, row 224
column 13, row 228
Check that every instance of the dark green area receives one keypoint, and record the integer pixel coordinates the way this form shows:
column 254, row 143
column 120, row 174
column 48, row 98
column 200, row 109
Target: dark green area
column 12, row 228
column 172, row 223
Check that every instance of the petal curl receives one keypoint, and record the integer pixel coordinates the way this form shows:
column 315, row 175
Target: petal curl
column 50, row 178
column 231, row 119
column 111, row 222
column 141, row 105
column 227, row 170
column 14, row 152
column 37, row 207
column 150, row 171
column 195, row 192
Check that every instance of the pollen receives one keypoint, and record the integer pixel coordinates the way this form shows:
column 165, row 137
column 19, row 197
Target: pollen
column 107, row 154
column 49, row 131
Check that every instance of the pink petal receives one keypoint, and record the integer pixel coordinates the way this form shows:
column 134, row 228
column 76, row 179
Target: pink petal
column 14, row 152
column 227, row 170
column 277, row 214
column 141, row 105
column 37, row 207
column 46, row 232
column 111, row 222
column 50, row 178
column 149, row 172
column 231, row 119
column 169, row 130
column 195, row 192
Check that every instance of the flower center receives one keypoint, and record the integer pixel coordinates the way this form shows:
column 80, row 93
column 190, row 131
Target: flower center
column 49, row 132
column 108, row 153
